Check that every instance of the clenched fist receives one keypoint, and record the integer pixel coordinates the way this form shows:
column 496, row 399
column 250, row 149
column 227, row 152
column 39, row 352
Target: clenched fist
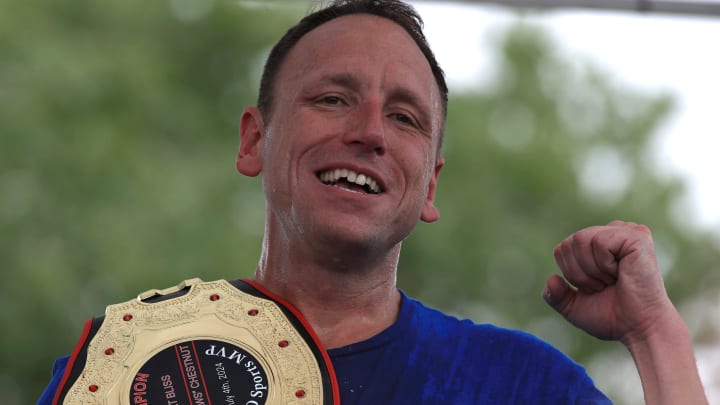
column 613, row 288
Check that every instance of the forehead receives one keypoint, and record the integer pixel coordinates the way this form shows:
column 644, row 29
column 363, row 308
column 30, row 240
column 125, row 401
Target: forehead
column 371, row 47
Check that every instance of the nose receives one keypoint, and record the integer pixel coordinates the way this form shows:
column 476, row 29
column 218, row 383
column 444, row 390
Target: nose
column 366, row 129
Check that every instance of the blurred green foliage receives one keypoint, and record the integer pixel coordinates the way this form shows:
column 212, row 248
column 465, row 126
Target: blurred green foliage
column 118, row 132
column 551, row 148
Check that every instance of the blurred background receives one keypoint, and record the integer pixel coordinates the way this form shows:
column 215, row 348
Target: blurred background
column 118, row 133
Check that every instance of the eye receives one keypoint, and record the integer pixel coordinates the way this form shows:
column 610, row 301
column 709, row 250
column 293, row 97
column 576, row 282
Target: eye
column 331, row 100
column 403, row 118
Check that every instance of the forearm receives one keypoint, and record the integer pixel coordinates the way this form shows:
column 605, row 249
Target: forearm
column 666, row 363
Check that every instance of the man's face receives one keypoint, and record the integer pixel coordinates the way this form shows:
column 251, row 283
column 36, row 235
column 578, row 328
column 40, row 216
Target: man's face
column 355, row 102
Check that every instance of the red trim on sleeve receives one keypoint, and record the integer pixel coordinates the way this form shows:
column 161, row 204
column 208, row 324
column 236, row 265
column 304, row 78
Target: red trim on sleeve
column 71, row 361
column 311, row 332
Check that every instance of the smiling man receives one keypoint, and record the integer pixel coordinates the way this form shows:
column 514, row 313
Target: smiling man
column 349, row 155
column 347, row 137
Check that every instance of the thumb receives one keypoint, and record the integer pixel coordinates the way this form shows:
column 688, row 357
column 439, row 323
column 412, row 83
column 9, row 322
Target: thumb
column 558, row 294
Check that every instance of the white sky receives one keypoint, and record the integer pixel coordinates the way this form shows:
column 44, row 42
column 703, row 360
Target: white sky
column 678, row 54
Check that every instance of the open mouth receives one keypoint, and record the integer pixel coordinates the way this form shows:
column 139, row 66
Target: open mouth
column 350, row 180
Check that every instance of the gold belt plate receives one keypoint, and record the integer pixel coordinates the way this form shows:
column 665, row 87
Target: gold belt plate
column 213, row 345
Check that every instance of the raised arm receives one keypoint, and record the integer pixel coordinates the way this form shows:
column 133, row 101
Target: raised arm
column 613, row 289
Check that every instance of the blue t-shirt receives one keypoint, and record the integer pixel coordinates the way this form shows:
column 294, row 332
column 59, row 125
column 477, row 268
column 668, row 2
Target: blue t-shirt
column 427, row 357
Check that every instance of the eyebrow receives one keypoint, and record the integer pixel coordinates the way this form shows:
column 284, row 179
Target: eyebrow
column 342, row 79
column 407, row 96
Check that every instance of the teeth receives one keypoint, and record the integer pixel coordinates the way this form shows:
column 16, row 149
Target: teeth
column 333, row 176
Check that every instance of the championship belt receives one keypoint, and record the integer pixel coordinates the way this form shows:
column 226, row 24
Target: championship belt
column 200, row 343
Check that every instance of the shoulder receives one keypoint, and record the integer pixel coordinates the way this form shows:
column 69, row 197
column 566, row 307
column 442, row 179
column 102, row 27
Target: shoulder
column 463, row 341
column 58, row 371
column 501, row 358
column 441, row 326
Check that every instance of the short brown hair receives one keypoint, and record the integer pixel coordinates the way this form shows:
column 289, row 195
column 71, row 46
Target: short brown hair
column 397, row 11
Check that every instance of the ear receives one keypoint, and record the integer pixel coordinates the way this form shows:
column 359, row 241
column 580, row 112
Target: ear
column 252, row 134
column 429, row 212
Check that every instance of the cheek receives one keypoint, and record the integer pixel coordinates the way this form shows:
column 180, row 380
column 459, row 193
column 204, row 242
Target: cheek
column 421, row 162
column 279, row 146
column 418, row 168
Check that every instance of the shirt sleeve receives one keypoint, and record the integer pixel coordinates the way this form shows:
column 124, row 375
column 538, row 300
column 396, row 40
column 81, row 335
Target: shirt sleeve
column 57, row 373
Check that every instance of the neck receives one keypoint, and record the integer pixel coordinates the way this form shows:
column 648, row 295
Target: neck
column 345, row 301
